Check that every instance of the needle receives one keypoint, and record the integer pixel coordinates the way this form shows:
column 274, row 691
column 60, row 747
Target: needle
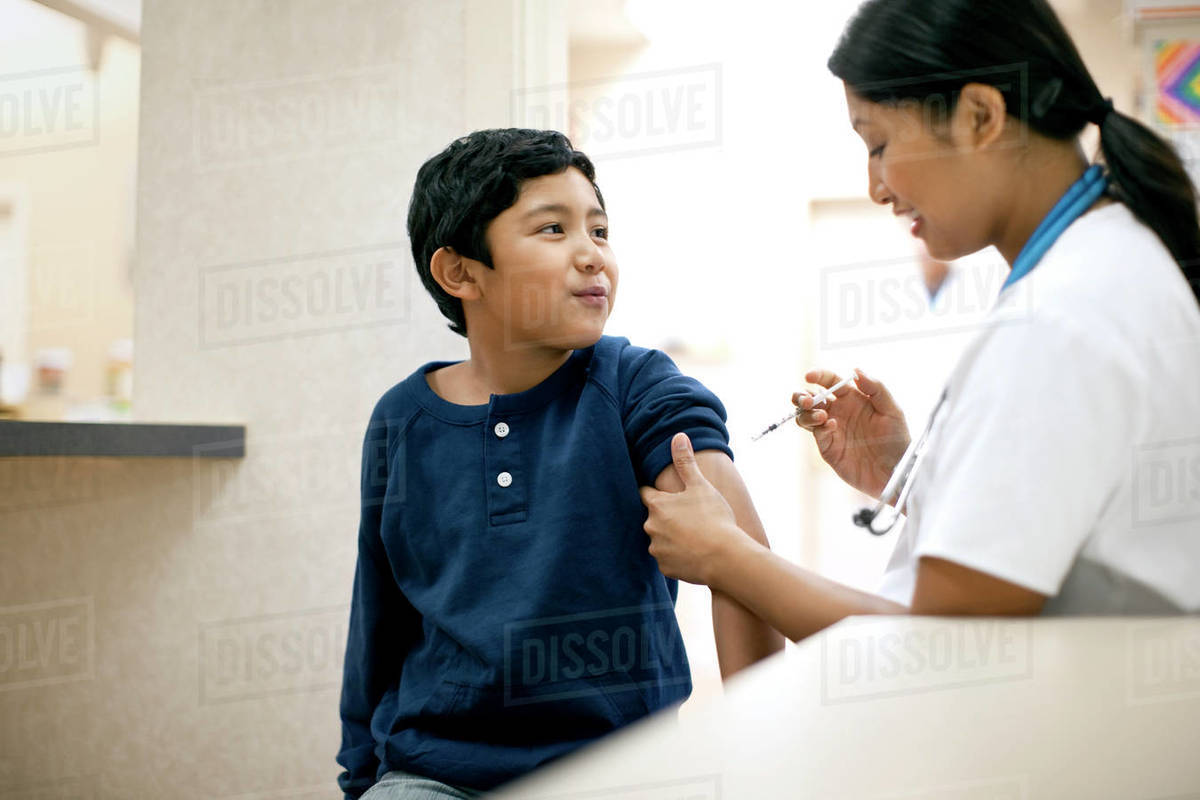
column 818, row 398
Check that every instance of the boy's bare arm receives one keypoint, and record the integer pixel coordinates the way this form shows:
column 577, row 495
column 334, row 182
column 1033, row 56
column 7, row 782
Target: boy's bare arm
column 742, row 638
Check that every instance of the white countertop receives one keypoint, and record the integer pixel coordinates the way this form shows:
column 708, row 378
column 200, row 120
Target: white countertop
column 906, row 707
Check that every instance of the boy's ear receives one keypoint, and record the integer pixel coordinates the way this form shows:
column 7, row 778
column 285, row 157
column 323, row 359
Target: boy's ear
column 981, row 114
column 452, row 272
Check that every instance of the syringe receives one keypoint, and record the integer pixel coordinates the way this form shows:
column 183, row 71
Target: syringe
column 818, row 398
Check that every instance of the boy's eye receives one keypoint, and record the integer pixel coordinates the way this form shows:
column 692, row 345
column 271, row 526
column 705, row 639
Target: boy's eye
column 546, row 228
column 601, row 232
column 878, row 151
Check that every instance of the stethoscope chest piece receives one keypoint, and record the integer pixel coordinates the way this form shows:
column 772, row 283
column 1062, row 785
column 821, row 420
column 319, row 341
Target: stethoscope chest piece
column 896, row 492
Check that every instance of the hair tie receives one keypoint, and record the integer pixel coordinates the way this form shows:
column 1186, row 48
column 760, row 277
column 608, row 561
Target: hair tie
column 1101, row 111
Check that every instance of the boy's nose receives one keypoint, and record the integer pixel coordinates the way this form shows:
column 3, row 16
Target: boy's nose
column 590, row 260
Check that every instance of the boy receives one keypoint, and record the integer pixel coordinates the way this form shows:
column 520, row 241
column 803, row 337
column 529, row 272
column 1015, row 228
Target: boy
column 506, row 610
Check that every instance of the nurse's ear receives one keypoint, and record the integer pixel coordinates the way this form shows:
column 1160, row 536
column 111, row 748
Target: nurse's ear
column 979, row 117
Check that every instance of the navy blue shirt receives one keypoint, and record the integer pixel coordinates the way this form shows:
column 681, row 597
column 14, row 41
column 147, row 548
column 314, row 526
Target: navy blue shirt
column 506, row 610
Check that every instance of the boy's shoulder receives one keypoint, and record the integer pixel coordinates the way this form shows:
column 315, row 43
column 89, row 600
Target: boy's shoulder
column 619, row 349
column 618, row 365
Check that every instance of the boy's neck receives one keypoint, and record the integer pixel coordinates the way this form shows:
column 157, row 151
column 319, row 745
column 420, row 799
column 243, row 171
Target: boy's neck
column 499, row 369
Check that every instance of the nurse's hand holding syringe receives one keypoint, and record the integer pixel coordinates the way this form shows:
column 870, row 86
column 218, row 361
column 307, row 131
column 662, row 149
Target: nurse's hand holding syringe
column 817, row 399
column 859, row 430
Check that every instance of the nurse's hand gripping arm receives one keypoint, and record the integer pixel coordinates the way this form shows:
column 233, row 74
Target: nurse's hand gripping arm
column 695, row 537
column 741, row 637
column 861, row 433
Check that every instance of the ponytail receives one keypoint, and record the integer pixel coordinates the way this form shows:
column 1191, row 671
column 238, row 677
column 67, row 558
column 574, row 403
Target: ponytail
column 1149, row 178
column 889, row 52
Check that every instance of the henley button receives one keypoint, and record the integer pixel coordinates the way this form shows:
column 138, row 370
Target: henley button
column 504, row 479
column 501, row 429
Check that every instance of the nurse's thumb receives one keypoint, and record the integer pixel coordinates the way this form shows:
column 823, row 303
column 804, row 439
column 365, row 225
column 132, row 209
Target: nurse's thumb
column 685, row 460
column 880, row 397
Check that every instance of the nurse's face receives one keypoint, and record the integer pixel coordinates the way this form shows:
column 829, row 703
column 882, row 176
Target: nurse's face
column 924, row 174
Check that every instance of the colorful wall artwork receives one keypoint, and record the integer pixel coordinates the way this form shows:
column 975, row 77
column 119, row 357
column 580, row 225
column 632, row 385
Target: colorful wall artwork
column 1177, row 69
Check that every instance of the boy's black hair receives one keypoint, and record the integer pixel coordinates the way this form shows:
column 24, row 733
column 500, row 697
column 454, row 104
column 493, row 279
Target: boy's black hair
column 463, row 188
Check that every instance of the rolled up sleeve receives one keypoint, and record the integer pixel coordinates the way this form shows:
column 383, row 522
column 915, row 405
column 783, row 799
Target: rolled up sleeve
column 659, row 402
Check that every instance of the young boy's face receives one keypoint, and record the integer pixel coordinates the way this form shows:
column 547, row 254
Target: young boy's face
column 555, row 276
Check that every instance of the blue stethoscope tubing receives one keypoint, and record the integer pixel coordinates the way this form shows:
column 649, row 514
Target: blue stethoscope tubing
column 1070, row 207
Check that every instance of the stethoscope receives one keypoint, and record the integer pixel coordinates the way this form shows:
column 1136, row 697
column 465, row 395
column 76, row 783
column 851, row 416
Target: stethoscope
column 900, row 483
column 1078, row 199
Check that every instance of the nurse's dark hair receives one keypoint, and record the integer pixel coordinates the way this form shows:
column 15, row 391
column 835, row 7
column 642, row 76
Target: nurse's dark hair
column 894, row 51
column 462, row 189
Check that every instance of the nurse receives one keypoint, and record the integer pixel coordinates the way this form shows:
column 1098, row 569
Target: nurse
column 1061, row 473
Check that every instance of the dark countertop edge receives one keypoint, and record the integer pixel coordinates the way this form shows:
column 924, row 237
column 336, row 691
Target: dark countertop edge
column 20, row 438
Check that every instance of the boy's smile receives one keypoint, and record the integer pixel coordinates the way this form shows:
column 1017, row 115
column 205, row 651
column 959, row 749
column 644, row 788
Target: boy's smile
column 555, row 276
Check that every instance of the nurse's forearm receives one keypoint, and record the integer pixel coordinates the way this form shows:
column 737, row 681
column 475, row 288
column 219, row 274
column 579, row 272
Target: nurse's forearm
column 795, row 601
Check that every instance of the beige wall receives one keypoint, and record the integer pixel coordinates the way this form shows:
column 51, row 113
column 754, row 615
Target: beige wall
column 176, row 629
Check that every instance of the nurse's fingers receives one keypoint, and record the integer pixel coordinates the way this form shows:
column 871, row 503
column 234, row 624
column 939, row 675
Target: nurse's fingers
column 881, row 398
column 809, row 417
column 822, row 432
column 813, row 419
column 827, row 378
column 804, row 400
